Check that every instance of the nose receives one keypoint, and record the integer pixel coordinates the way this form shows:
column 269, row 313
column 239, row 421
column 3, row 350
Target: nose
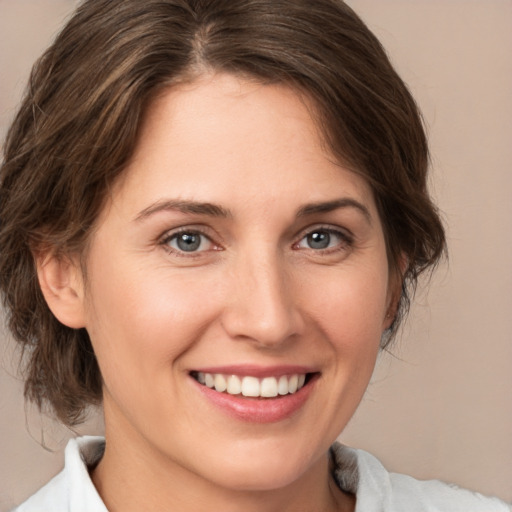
column 262, row 306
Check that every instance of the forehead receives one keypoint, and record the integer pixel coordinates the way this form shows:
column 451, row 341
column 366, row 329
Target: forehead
column 221, row 137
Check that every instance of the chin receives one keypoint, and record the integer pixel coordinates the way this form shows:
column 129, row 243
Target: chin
column 260, row 468
column 255, row 479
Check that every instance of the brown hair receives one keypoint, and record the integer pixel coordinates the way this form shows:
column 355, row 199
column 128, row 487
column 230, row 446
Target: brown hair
column 78, row 123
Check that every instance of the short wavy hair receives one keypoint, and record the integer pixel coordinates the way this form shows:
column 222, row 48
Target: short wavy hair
column 78, row 123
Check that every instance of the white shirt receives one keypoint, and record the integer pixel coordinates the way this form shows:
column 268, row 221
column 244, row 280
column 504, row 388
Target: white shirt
column 355, row 471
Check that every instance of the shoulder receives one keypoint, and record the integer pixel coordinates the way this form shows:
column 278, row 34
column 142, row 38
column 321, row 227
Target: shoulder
column 72, row 489
column 377, row 489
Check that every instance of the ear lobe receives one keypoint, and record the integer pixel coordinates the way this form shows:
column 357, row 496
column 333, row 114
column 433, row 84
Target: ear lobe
column 61, row 282
column 392, row 310
column 395, row 290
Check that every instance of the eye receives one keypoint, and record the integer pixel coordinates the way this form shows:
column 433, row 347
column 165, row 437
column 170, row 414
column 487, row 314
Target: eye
column 188, row 242
column 323, row 238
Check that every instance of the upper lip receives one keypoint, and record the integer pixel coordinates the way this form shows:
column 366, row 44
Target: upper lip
column 256, row 370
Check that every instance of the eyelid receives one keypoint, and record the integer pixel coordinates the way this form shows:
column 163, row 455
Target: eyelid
column 168, row 235
column 345, row 234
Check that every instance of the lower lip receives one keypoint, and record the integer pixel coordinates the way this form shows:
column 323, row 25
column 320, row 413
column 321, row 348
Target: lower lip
column 258, row 410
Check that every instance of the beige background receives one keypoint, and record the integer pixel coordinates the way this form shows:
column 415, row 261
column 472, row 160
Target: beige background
column 441, row 406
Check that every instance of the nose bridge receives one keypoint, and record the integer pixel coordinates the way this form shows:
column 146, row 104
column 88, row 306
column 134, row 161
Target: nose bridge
column 262, row 306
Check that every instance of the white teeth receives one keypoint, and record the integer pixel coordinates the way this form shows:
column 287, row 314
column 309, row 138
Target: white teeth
column 234, row 385
column 269, row 387
column 249, row 386
column 220, row 383
column 293, row 382
column 282, row 386
column 209, row 380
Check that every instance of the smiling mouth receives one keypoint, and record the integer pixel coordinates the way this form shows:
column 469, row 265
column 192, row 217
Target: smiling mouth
column 253, row 387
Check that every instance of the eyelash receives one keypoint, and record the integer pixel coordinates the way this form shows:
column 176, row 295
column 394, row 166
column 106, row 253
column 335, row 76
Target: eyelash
column 169, row 237
column 346, row 241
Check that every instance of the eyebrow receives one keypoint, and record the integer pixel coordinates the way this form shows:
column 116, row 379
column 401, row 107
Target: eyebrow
column 214, row 210
column 329, row 206
column 196, row 207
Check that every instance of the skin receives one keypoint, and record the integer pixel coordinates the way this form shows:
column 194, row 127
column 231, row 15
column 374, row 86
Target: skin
column 255, row 292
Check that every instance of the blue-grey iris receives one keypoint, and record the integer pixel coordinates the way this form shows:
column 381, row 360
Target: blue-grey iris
column 319, row 240
column 188, row 241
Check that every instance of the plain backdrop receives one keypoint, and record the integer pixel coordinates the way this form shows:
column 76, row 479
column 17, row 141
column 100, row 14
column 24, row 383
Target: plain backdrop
column 440, row 405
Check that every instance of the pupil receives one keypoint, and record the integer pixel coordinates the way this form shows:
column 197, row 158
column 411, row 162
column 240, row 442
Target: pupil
column 188, row 242
column 319, row 240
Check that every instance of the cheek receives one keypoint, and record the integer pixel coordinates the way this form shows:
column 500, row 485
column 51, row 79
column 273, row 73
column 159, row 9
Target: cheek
column 351, row 306
column 143, row 320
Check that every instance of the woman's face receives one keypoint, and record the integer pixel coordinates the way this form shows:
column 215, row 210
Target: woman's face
column 235, row 252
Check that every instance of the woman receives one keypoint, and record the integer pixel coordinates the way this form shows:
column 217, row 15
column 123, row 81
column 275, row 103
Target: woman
column 212, row 215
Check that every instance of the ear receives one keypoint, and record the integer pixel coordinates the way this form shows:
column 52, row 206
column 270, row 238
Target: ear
column 61, row 282
column 395, row 290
